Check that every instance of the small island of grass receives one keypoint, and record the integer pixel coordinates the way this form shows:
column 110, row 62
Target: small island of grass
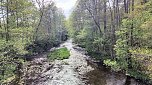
column 59, row 54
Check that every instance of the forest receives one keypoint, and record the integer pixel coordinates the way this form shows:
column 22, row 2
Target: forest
column 115, row 33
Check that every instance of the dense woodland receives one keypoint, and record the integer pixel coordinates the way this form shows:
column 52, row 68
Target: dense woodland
column 27, row 28
column 115, row 32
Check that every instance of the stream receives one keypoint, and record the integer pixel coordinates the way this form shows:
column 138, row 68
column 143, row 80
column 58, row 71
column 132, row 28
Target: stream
column 77, row 70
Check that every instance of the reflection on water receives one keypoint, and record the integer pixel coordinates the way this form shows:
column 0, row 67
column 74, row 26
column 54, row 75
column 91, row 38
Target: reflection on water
column 103, row 76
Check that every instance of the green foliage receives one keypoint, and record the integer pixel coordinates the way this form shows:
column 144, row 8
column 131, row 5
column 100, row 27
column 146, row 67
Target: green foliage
column 69, row 27
column 129, row 44
column 98, row 42
column 138, row 75
column 142, row 51
column 59, row 54
column 39, row 47
column 121, row 48
column 7, row 68
column 21, row 21
column 142, row 61
column 12, row 49
column 112, row 64
column 9, row 58
column 81, row 37
column 95, row 55
column 142, row 19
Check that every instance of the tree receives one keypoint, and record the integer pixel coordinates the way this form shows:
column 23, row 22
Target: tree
column 27, row 28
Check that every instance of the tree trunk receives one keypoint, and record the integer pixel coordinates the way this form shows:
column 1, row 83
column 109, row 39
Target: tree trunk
column 125, row 6
column 132, row 26
column 105, row 18
column 7, row 21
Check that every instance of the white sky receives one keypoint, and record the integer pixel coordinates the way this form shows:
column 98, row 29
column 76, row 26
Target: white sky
column 66, row 5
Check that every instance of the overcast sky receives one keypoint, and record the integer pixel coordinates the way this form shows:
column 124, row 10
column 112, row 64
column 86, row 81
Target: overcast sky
column 66, row 5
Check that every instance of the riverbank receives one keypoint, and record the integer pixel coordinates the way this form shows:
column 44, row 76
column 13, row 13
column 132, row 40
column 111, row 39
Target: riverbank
column 59, row 72
column 79, row 69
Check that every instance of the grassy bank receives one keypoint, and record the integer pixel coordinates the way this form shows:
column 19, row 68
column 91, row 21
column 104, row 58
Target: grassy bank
column 59, row 54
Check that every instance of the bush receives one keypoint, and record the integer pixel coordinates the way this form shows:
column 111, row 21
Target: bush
column 112, row 64
column 59, row 54
column 39, row 46
column 10, row 61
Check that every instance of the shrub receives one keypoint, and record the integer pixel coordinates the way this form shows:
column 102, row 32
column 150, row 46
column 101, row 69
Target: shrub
column 112, row 64
column 10, row 61
column 39, row 46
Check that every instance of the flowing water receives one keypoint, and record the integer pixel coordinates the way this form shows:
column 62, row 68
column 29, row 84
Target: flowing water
column 77, row 70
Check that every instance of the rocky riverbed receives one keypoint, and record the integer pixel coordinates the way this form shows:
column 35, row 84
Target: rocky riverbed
column 77, row 70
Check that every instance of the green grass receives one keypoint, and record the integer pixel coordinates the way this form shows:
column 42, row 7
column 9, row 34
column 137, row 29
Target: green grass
column 59, row 54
